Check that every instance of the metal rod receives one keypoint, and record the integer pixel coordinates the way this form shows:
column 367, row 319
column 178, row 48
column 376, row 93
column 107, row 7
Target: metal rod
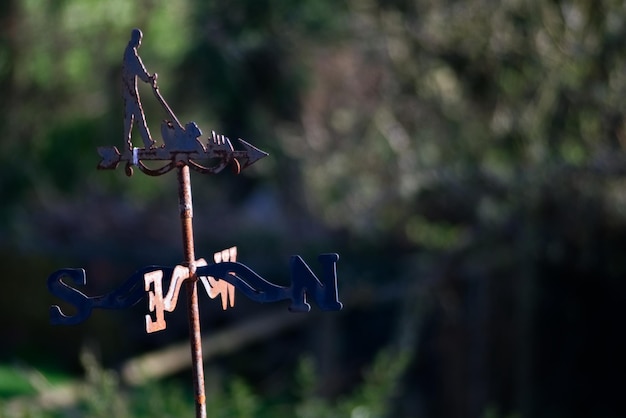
column 186, row 218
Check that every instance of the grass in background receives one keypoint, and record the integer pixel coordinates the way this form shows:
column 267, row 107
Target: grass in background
column 102, row 396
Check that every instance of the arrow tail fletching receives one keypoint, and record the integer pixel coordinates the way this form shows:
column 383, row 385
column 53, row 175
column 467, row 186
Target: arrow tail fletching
column 110, row 158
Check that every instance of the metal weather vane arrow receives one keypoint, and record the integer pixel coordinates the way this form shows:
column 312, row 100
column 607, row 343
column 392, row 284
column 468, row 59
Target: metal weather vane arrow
column 181, row 144
column 183, row 149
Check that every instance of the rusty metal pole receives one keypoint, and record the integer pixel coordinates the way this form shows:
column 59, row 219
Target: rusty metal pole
column 186, row 219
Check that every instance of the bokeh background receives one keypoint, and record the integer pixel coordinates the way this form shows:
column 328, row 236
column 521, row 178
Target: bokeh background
column 466, row 159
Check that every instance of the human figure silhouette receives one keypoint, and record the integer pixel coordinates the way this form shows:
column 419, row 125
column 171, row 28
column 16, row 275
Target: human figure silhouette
column 132, row 67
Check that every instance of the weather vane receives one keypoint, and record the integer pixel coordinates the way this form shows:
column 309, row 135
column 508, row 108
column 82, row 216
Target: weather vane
column 182, row 149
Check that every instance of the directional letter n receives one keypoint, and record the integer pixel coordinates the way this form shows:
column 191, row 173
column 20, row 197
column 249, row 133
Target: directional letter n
column 304, row 284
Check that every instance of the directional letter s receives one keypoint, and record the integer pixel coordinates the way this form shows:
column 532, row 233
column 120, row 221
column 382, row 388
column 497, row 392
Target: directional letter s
column 61, row 290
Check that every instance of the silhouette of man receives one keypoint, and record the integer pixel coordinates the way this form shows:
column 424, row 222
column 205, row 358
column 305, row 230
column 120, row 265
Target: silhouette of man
column 132, row 67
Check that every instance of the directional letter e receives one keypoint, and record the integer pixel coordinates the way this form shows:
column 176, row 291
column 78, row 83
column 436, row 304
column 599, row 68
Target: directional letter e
column 155, row 302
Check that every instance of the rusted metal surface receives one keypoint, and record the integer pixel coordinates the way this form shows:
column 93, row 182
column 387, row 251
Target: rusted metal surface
column 305, row 287
column 182, row 149
column 181, row 144
column 128, row 294
column 195, row 338
column 196, row 347
column 216, row 287
column 132, row 69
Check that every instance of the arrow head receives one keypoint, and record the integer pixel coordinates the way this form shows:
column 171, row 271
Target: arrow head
column 249, row 156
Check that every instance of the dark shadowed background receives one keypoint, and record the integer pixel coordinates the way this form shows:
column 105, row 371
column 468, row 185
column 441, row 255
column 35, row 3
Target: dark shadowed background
column 465, row 159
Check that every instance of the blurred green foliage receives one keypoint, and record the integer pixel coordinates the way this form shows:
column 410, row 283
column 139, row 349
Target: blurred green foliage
column 372, row 399
column 472, row 149
column 101, row 395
